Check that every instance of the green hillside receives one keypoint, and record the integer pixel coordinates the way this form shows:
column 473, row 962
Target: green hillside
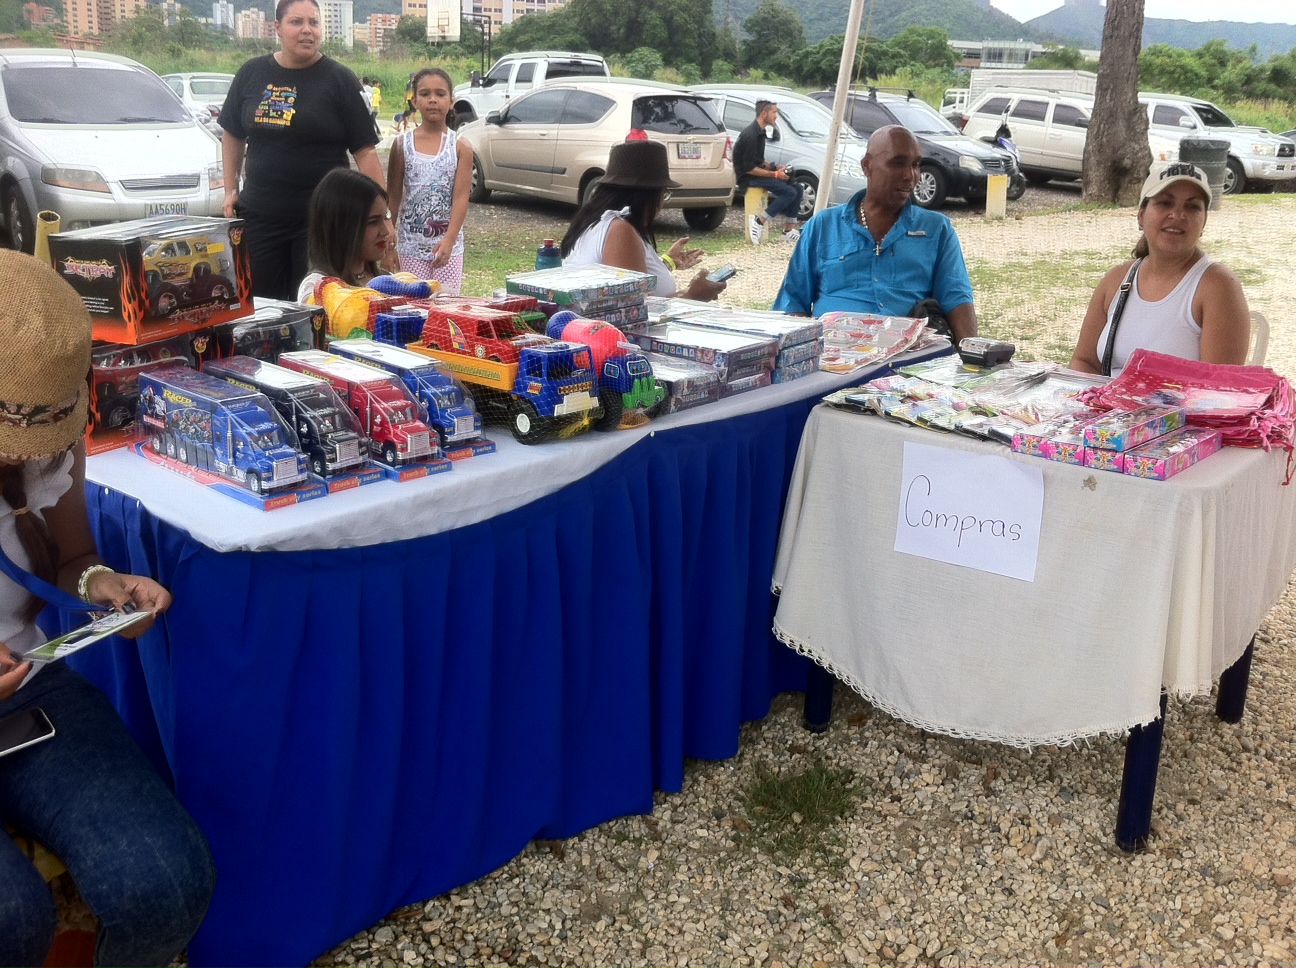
column 962, row 19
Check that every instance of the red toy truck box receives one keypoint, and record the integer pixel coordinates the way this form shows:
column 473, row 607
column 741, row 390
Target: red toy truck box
column 148, row 279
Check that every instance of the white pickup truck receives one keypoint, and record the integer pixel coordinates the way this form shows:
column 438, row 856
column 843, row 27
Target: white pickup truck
column 515, row 74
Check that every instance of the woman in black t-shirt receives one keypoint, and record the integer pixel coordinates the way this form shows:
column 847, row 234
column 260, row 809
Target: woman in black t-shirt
column 292, row 116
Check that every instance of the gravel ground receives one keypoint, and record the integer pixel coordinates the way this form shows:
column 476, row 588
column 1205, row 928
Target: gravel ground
column 951, row 852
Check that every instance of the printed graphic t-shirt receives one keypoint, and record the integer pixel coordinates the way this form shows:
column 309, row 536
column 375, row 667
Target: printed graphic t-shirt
column 299, row 124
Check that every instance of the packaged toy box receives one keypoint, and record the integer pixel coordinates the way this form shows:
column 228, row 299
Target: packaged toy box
column 1060, row 439
column 1173, row 453
column 687, row 384
column 581, row 284
column 149, row 279
column 114, row 388
column 1125, row 429
column 724, row 351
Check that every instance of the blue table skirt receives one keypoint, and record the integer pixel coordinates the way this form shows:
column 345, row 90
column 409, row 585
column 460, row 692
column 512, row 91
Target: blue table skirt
column 363, row 728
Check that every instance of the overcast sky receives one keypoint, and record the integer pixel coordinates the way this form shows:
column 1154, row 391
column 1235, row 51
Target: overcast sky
column 1248, row 11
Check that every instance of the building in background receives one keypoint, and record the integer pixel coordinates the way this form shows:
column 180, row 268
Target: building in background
column 223, row 16
column 89, row 17
column 38, row 16
column 376, row 33
column 503, row 12
column 338, row 17
column 251, row 24
column 414, row 8
column 170, row 11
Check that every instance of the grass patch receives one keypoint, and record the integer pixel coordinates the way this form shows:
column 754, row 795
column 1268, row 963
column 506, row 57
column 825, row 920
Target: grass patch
column 789, row 812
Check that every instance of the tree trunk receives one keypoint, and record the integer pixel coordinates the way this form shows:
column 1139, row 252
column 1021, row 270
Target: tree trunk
column 1117, row 157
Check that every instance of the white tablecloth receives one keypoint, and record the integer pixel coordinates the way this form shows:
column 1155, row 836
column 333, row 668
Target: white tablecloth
column 474, row 490
column 1139, row 584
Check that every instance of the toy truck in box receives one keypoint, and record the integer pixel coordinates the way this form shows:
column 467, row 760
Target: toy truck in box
column 551, row 385
column 215, row 426
column 328, row 431
column 387, row 413
column 443, row 404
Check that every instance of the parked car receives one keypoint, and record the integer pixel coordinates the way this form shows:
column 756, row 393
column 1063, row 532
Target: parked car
column 953, row 164
column 202, row 94
column 97, row 138
column 1255, row 154
column 515, row 74
column 798, row 140
column 554, row 143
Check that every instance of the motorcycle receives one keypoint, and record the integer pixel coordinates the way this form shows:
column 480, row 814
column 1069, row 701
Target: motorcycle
column 1003, row 139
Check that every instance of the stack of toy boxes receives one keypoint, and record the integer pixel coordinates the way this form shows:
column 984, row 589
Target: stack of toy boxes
column 743, row 362
column 800, row 340
column 616, row 296
column 1151, row 442
column 688, row 384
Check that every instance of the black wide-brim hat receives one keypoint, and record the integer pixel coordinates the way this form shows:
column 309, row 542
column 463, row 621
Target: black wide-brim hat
column 639, row 164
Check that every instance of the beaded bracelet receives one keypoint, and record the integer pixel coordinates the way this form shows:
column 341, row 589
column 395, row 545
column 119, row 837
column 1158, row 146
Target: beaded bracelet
column 83, row 583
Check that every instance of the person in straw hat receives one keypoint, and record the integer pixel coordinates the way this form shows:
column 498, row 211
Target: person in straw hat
column 1176, row 301
column 614, row 225
column 88, row 793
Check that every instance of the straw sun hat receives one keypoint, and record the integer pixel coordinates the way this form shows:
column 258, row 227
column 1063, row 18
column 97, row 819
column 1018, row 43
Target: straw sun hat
column 44, row 359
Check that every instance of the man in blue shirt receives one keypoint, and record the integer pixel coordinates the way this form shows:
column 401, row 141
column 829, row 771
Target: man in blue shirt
column 881, row 253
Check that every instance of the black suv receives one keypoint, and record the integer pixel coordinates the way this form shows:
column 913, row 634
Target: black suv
column 953, row 164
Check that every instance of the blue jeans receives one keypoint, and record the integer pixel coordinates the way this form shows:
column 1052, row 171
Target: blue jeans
column 786, row 195
column 89, row 794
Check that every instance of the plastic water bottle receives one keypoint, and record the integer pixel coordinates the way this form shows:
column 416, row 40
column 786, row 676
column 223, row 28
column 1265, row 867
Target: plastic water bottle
column 548, row 255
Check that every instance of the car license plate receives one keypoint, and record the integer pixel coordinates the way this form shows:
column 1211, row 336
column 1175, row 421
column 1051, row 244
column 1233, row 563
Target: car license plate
column 689, row 151
column 167, row 208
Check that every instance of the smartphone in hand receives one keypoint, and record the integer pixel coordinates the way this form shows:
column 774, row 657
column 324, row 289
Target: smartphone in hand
column 723, row 274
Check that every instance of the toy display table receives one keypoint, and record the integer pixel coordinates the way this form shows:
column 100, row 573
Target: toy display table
column 373, row 698
column 1139, row 586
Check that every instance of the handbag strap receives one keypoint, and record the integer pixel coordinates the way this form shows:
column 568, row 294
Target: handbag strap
column 1123, row 295
column 43, row 589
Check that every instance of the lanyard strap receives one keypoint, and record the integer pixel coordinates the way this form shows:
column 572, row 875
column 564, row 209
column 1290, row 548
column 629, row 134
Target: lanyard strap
column 43, row 589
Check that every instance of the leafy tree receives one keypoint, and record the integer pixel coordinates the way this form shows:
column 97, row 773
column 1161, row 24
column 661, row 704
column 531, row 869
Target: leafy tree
column 643, row 62
column 925, row 47
column 1063, row 59
column 774, row 34
column 558, row 30
column 1116, row 155
column 722, row 71
column 412, row 32
column 726, row 45
column 1166, row 68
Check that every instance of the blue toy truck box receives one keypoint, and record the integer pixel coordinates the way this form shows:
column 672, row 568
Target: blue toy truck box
column 443, row 402
column 223, row 436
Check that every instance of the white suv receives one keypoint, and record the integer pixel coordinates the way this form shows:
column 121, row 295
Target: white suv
column 1255, row 154
column 1049, row 129
column 515, row 74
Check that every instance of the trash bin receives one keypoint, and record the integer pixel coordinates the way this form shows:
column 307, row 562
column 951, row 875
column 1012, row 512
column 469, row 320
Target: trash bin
column 1211, row 156
column 996, row 196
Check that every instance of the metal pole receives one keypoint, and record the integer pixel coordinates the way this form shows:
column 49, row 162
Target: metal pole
column 839, row 102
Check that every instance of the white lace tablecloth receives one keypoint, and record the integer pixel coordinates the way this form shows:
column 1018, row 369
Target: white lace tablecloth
column 1139, row 584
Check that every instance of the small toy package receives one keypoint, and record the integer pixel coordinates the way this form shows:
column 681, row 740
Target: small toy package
column 1104, row 460
column 114, row 388
column 1175, row 452
column 580, row 284
column 149, row 279
column 794, row 371
column 1122, row 430
column 742, row 384
column 788, row 330
column 1060, row 439
column 688, row 384
column 724, row 351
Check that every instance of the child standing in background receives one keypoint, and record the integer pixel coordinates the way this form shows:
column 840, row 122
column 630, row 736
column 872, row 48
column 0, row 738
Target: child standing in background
column 429, row 177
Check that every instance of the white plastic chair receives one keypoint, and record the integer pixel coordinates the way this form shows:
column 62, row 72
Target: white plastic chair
column 1259, row 337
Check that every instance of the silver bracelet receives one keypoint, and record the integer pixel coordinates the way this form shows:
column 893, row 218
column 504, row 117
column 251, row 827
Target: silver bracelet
column 83, row 583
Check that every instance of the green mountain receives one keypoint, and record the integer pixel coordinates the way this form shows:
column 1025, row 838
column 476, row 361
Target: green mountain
column 1083, row 19
column 962, row 19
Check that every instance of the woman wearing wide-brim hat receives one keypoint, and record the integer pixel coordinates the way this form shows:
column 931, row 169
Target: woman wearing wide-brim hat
column 614, row 226
column 87, row 792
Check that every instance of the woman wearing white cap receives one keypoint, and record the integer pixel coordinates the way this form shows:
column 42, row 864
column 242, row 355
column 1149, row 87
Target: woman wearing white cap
column 87, row 793
column 1170, row 297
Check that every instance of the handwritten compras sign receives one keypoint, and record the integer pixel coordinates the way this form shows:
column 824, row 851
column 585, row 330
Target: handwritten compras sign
column 970, row 509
